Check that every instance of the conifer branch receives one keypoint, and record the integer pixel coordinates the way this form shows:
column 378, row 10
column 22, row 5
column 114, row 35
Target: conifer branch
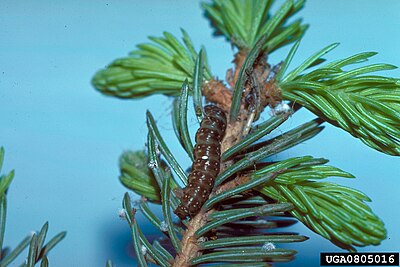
column 335, row 212
column 250, row 188
column 243, row 23
column 364, row 104
column 158, row 67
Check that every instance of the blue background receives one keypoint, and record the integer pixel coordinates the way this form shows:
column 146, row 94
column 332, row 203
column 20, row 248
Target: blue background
column 64, row 138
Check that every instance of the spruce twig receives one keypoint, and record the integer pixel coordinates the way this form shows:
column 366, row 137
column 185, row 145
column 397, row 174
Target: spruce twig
column 250, row 188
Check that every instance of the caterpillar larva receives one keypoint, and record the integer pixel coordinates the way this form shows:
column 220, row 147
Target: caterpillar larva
column 206, row 164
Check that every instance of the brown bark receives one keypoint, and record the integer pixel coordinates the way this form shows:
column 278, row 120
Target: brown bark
column 190, row 249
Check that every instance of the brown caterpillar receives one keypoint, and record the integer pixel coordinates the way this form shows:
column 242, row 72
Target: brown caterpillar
column 205, row 167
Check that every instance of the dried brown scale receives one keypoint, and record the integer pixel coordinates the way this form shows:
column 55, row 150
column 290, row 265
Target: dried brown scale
column 232, row 75
column 190, row 249
column 216, row 92
column 206, row 164
column 272, row 95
